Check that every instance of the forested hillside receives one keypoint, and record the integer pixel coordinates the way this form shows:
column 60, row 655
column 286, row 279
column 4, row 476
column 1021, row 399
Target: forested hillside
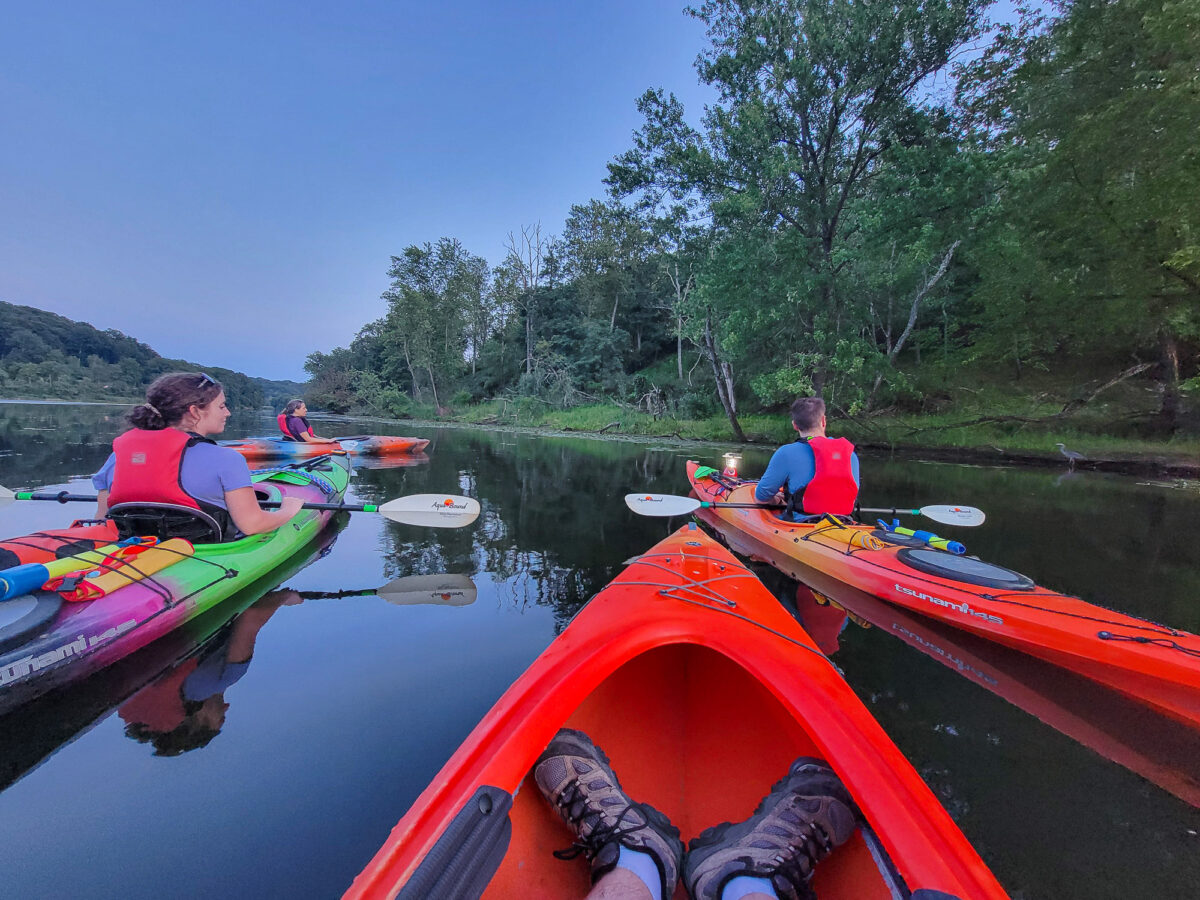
column 47, row 355
column 894, row 205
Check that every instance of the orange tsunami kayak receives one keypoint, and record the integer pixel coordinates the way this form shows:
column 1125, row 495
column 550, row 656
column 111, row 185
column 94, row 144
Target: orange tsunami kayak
column 257, row 449
column 701, row 689
column 1142, row 659
column 1132, row 734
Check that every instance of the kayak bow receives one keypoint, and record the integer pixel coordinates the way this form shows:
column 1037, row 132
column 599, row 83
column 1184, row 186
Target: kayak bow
column 684, row 644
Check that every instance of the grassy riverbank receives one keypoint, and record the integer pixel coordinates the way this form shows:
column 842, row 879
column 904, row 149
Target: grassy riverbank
column 942, row 435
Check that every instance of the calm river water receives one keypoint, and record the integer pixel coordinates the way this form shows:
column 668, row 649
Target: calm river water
column 294, row 774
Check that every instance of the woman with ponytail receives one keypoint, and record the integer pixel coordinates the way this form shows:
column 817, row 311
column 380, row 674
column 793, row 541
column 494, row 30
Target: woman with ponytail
column 167, row 456
column 293, row 422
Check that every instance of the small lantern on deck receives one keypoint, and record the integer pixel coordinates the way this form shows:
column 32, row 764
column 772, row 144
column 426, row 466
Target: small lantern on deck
column 732, row 460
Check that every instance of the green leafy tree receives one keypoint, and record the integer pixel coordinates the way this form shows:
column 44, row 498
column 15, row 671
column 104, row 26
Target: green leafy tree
column 433, row 286
column 1099, row 106
column 812, row 95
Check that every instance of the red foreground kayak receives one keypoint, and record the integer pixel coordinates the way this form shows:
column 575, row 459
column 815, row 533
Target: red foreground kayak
column 702, row 690
column 1150, row 662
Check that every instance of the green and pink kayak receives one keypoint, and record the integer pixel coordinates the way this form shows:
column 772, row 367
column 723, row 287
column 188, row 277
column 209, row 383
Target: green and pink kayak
column 46, row 641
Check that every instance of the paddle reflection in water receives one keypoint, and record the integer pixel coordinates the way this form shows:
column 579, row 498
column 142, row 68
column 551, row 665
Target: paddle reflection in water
column 402, row 461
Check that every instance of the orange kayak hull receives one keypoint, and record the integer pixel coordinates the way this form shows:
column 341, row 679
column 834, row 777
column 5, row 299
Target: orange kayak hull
column 1141, row 659
column 701, row 689
column 260, row 449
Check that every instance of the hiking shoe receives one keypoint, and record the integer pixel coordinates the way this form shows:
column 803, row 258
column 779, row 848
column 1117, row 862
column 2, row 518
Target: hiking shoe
column 574, row 775
column 807, row 814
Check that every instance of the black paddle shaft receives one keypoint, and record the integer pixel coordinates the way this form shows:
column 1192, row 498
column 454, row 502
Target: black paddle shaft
column 68, row 497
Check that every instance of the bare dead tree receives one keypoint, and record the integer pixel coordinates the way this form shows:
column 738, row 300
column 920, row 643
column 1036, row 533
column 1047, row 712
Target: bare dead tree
column 682, row 287
column 723, row 373
column 919, row 296
column 922, row 292
column 526, row 257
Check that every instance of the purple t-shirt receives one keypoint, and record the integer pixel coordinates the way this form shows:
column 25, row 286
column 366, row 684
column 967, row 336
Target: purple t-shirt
column 297, row 425
column 208, row 471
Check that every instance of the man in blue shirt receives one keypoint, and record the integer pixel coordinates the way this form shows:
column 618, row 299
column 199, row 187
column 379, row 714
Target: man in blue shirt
column 818, row 474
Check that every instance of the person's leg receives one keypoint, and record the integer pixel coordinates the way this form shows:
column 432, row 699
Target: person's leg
column 634, row 850
column 620, row 884
column 771, row 855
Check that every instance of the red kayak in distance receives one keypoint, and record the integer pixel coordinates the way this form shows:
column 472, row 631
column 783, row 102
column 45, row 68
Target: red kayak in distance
column 259, row 449
column 1152, row 663
column 701, row 689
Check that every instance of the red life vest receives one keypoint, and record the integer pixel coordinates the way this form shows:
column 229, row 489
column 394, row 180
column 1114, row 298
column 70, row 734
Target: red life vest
column 148, row 467
column 832, row 489
column 282, row 420
column 159, row 706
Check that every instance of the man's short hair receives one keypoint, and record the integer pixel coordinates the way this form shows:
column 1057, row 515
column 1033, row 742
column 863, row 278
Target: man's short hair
column 807, row 412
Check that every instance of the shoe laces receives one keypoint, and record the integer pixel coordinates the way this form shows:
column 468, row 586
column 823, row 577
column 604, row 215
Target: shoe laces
column 810, row 845
column 577, row 810
column 796, row 855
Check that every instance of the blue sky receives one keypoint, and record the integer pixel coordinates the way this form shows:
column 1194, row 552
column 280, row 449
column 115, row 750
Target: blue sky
column 226, row 181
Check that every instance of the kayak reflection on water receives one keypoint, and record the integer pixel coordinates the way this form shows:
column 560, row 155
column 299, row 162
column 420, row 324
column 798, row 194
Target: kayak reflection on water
column 824, row 621
column 1133, row 735
column 185, row 708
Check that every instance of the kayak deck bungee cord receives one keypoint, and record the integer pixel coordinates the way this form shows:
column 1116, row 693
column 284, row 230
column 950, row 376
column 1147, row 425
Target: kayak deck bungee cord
column 1153, row 663
column 702, row 690
column 46, row 641
column 44, row 546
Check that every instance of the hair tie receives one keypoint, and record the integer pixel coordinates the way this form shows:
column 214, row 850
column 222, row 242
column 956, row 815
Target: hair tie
column 153, row 409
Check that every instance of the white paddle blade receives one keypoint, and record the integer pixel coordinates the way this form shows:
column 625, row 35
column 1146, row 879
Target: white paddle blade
column 966, row 516
column 441, row 590
column 661, row 504
column 348, row 446
column 432, row 510
column 6, row 496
